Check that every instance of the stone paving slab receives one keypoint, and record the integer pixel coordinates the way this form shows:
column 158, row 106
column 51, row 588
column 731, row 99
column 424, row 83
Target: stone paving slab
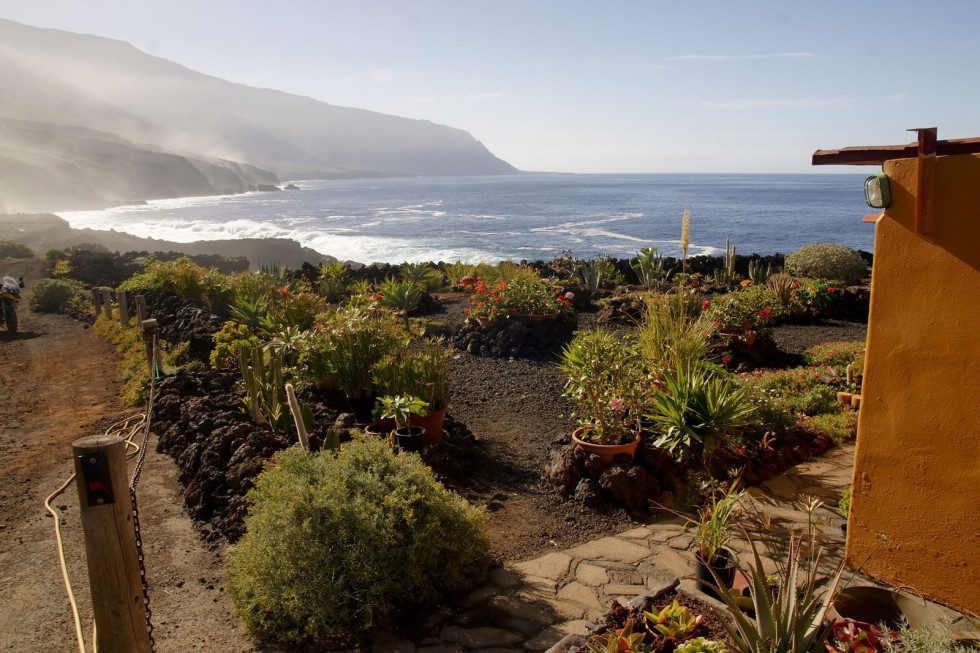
column 529, row 606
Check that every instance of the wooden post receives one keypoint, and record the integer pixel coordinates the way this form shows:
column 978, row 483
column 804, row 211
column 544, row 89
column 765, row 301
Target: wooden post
column 123, row 307
column 97, row 301
column 107, row 302
column 141, row 308
column 110, row 544
column 149, row 328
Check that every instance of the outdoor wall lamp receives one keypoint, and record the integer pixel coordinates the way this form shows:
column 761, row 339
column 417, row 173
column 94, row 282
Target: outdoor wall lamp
column 877, row 191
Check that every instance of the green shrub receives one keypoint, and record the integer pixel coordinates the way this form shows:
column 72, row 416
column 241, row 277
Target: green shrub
column 808, row 390
column 835, row 354
column 184, row 278
column 827, row 261
column 336, row 542
column 840, row 426
column 10, row 249
column 53, row 295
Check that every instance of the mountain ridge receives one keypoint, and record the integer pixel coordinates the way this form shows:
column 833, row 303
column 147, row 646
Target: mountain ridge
column 80, row 81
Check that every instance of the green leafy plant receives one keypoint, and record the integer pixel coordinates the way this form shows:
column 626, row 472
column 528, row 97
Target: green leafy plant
column 623, row 640
column 334, row 280
column 456, row 271
column 229, row 342
column 782, row 287
column 835, row 354
column 403, row 296
column 790, row 620
column 11, row 249
column 832, row 261
column 183, row 278
column 844, row 504
column 673, row 621
column 818, row 295
column 400, row 408
column 342, row 352
column 53, row 295
column 604, row 381
column 695, row 409
column 715, row 523
column 673, row 332
column 336, row 542
column 422, row 275
column 739, row 314
column 649, row 266
column 840, row 425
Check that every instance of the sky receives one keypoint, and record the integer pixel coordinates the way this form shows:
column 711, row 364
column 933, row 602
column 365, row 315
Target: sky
column 573, row 86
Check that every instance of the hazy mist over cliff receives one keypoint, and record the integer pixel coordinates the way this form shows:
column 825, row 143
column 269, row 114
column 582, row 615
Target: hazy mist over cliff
column 87, row 121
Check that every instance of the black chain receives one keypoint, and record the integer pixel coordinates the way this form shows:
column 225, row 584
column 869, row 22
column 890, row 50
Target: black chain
column 143, row 582
column 136, row 512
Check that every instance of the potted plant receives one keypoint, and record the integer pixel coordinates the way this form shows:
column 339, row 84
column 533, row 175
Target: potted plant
column 400, row 408
column 604, row 380
column 674, row 622
column 344, row 350
column 713, row 561
column 421, row 372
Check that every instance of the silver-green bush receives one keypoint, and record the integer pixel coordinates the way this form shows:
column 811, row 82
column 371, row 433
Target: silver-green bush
column 832, row 261
column 53, row 295
column 336, row 542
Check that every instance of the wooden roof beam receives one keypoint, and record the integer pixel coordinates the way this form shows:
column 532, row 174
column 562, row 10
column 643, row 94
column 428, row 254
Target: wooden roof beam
column 878, row 154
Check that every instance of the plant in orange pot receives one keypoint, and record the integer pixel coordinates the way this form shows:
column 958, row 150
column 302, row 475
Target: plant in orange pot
column 605, row 381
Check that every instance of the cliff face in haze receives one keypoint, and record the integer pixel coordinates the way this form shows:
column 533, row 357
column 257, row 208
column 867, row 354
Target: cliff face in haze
column 87, row 121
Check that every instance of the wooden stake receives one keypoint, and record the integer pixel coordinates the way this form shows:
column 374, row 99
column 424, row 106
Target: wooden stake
column 123, row 307
column 107, row 302
column 141, row 308
column 97, row 301
column 110, row 544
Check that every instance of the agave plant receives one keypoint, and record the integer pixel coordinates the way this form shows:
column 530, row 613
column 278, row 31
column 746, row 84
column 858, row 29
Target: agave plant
column 673, row 621
column 250, row 311
column 791, row 619
column 403, row 296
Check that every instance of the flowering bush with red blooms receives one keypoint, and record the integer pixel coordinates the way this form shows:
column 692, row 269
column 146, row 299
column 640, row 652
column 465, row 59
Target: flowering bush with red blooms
column 745, row 313
column 525, row 294
column 818, row 294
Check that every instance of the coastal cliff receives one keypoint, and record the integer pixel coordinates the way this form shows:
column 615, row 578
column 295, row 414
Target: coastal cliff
column 88, row 122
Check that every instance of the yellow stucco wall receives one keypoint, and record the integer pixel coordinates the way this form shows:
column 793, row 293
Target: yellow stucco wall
column 917, row 460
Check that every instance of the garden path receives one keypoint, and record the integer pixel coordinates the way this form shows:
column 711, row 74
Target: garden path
column 529, row 606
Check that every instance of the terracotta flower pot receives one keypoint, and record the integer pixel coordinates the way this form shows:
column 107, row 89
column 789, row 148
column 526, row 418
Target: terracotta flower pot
column 432, row 423
column 607, row 453
column 380, row 428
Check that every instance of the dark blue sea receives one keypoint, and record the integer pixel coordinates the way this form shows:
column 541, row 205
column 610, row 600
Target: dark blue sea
column 532, row 216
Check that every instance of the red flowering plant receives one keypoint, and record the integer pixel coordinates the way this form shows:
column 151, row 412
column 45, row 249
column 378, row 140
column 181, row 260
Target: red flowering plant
column 744, row 314
column 522, row 294
column 818, row 295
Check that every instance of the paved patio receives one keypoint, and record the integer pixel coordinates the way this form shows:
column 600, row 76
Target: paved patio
column 529, row 606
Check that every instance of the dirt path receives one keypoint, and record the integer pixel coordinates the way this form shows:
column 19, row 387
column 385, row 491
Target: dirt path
column 59, row 382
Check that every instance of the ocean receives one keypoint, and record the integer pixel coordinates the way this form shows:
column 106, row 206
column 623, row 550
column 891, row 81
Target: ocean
column 529, row 216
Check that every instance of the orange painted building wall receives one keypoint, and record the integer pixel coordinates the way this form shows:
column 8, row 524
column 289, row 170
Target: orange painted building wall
column 917, row 459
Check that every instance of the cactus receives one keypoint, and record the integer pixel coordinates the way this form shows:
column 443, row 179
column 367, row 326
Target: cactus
column 758, row 274
column 265, row 393
column 726, row 275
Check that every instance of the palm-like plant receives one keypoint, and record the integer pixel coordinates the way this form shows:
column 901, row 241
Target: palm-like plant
column 696, row 408
column 250, row 311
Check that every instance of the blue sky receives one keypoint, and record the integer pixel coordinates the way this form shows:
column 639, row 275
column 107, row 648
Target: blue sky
column 571, row 86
